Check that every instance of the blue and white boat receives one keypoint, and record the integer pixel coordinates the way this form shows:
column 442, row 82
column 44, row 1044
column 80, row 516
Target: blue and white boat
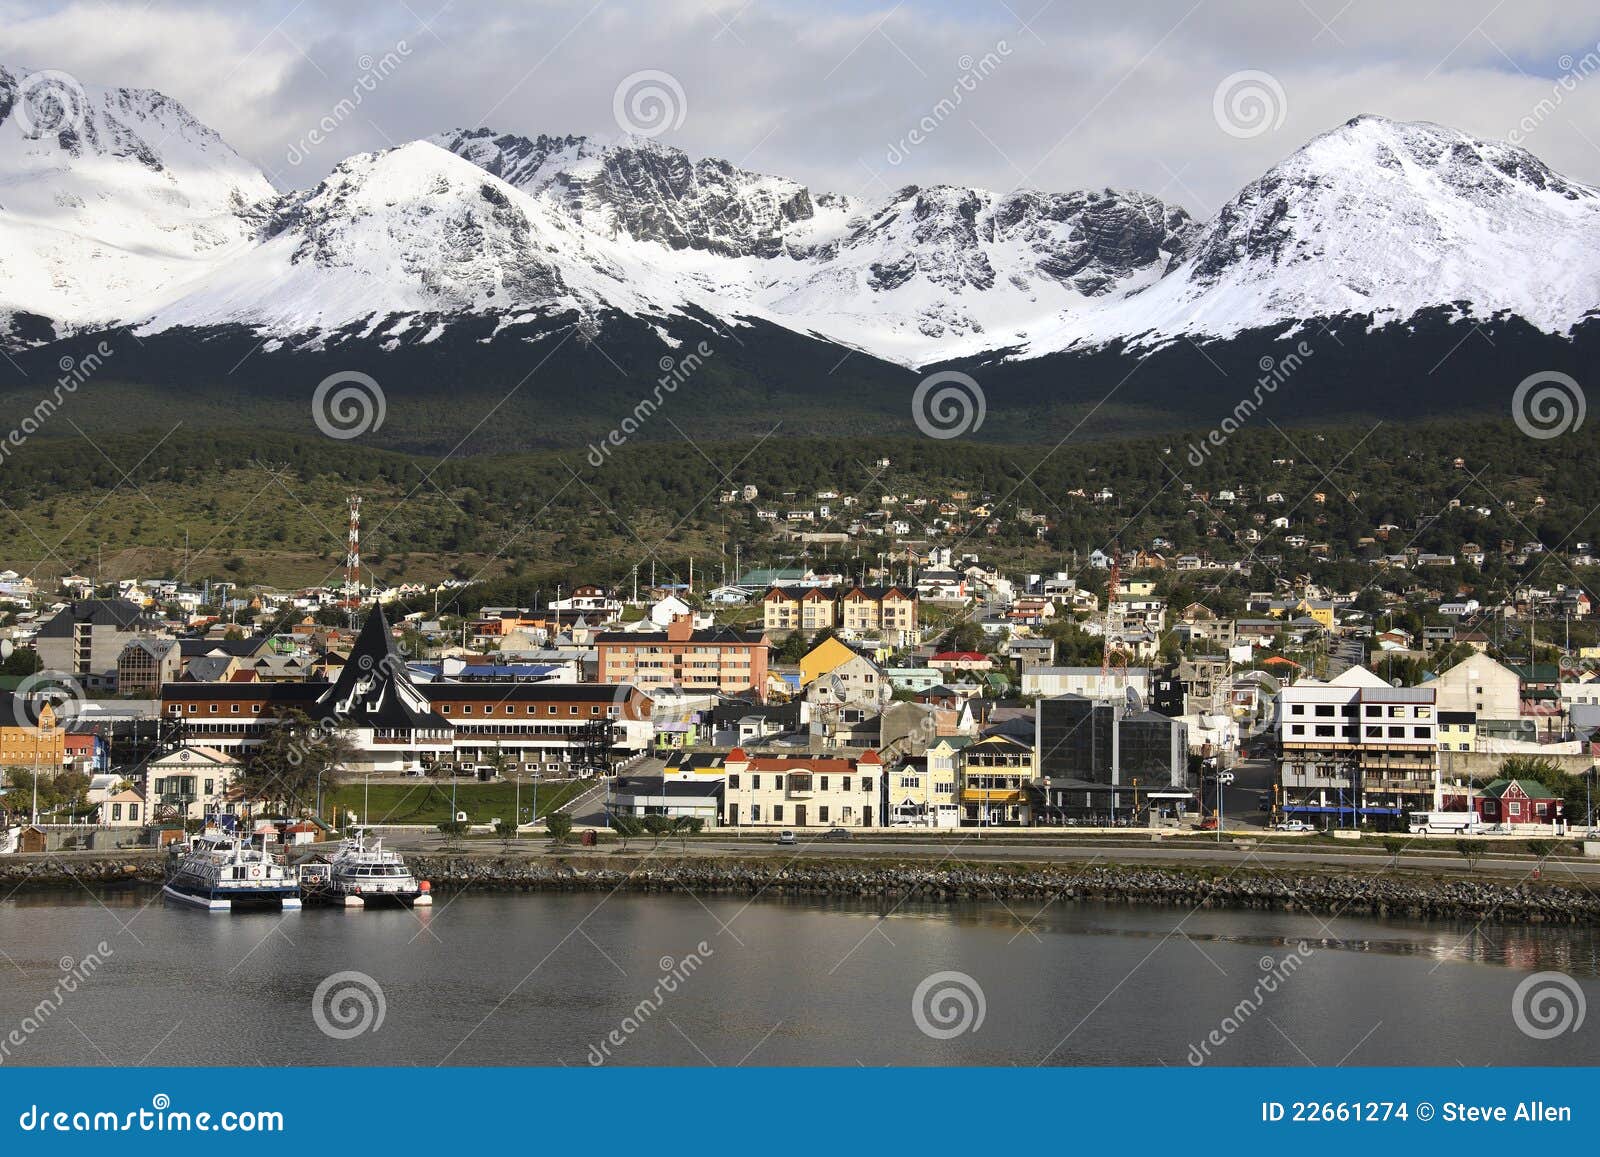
column 224, row 873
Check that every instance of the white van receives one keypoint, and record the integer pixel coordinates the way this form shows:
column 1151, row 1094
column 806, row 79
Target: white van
column 1444, row 823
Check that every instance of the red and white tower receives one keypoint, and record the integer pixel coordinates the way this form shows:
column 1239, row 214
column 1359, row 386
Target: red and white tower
column 352, row 561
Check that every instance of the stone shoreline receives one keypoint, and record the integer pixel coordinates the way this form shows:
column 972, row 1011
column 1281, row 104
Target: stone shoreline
column 1288, row 890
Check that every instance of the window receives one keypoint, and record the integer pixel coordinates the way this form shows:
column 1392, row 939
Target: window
column 1324, row 710
column 573, row 710
column 1325, row 730
column 1374, row 712
column 133, row 811
column 824, row 783
column 777, row 782
column 755, row 813
column 866, row 783
column 822, row 813
column 1423, row 732
column 1397, row 733
column 755, row 783
column 777, row 813
column 1297, row 729
column 1297, row 709
column 116, row 811
column 733, row 782
column 846, row 783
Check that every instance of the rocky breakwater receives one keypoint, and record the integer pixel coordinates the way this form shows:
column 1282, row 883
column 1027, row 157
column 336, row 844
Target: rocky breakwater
column 71, row 871
column 1300, row 890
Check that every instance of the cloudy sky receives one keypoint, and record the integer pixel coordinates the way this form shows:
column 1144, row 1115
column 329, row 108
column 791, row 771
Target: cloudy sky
column 858, row 96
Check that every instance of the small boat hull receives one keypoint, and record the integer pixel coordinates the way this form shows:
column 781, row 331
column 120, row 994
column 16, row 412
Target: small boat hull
column 275, row 900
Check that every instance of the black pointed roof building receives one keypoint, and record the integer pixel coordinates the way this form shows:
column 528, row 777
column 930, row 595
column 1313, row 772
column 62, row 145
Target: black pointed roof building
column 374, row 689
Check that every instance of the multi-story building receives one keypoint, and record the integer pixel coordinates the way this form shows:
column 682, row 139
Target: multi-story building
column 921, row 795
column 995, row 776
column 31, row 736
column 797, row 791
column 86, row 638
column 1101, row 759
column 718, row 659
column 396, row 724
column 1356, row 749
column 145, row 664
column 1488, row 689
column 1091, row 682
column 857, row 610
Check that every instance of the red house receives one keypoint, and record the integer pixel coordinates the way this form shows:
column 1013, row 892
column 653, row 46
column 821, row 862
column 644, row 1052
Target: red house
column 1518, row 801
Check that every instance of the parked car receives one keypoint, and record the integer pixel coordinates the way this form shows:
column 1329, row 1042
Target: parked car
column 1294, row 826
column 836, row 834
column 1225, row 778
column 1209, row 824
column 786, row 837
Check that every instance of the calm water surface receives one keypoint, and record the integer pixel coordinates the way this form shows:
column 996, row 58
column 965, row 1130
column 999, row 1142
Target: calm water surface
column 548, row 979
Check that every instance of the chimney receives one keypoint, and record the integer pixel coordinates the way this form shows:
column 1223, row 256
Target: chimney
column 680, row 629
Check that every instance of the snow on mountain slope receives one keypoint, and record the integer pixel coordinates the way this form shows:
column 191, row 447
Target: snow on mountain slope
column 131, row 212
column 413, row 230
column 902, row 279
column 108, row 196
column 1376, row 217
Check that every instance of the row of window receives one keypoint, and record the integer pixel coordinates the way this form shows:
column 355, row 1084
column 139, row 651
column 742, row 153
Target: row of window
column 823, row 814
column 1348, row 731
column 1373, row 710
column 800, row 782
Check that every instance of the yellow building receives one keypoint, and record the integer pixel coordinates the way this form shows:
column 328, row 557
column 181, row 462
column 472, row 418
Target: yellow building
column 1458, row 730
column 30, row 737
column 995, row 773
column 822, row 658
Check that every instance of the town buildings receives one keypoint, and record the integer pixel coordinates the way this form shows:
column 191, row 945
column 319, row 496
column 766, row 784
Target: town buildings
column 801, row 790
column 719, row 659
column 87, row 637
column 1354, row 748
column 1103, row 758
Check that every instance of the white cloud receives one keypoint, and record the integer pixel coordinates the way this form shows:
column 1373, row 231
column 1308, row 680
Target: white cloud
column 1086, row 95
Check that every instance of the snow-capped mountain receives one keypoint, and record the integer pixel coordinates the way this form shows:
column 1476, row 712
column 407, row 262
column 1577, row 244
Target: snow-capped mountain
column 903, row 278
column 110, row 197
column 130, row 212
column 1380, row 218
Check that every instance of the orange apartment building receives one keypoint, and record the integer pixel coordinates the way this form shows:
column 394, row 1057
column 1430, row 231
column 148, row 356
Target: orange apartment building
column 716, row 660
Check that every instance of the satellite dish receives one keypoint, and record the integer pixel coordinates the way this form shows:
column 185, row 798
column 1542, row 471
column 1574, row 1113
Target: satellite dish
column 6, row 648
column 838, row 686
column 1135, row 704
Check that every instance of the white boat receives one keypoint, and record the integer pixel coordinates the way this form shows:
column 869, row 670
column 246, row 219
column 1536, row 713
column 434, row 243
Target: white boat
column 361, row 874
column 224, row 873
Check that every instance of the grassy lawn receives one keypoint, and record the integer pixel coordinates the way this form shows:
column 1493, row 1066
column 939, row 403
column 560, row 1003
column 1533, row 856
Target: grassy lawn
column 423, row 802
